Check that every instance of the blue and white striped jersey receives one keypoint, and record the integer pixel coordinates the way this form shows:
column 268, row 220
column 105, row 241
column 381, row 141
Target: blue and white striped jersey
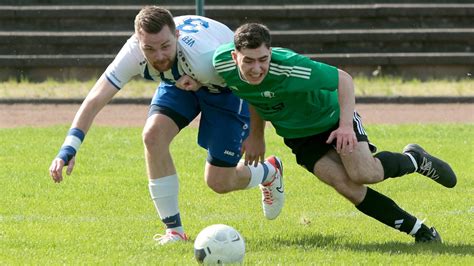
column 198, row 39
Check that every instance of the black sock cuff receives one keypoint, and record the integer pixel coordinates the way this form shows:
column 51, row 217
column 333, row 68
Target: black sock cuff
column 395, row 164
column 369, row 200
column 172, row 221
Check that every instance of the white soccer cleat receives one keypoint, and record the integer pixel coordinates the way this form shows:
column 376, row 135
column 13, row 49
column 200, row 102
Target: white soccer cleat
column 273, row 197
column 170, row 237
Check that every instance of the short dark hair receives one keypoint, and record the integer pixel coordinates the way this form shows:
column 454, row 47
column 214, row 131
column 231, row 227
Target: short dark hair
column 251, row 36
column 152, row 19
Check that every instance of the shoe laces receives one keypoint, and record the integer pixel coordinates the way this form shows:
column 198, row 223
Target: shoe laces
column 266, row 190
column 267, row 195
column 170, row 236
column 426, row 168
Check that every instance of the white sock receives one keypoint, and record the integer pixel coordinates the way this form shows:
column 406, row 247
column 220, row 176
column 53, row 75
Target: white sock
column 260, row 174
column 164, row 193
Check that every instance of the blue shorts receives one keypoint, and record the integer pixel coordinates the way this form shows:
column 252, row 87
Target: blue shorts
column 224, row 123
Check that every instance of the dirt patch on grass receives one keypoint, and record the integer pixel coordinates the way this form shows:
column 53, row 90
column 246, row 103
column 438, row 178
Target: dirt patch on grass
column 126, row 115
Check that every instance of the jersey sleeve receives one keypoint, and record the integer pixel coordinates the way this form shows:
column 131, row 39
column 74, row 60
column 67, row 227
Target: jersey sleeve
column 223, row 62
column 199, row 38
column 126, row 64
column 325, row 77
column 322, row 76
column 300, row 73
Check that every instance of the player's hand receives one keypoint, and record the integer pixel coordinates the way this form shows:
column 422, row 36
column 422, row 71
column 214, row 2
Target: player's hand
column 188, row 84
column 56, row 169
column 345, row 138
column 254, row 151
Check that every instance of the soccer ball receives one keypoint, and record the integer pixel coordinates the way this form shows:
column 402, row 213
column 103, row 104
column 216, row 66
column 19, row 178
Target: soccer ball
column 219, row 244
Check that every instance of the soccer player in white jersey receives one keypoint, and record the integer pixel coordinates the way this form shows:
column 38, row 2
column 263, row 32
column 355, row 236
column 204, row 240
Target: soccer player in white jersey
column 172, row 51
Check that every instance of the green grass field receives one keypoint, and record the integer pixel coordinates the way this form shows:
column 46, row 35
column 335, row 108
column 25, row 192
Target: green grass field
column 139, row 88
column 102, row 213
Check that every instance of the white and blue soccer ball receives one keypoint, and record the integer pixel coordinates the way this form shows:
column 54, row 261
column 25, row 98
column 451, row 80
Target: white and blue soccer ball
column 219, row 244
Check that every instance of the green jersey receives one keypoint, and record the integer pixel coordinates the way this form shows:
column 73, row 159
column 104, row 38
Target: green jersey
column 298, row 95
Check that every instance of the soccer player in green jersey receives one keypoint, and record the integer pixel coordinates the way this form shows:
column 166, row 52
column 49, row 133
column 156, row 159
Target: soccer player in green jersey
column 311, row 105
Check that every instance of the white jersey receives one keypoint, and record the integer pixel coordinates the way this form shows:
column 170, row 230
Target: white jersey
column 198, row 39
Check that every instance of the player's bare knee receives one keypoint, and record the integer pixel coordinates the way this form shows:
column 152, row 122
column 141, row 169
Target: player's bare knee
column 147, row 137
column 151, row 137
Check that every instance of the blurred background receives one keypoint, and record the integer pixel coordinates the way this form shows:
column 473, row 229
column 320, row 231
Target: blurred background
column 76, row 40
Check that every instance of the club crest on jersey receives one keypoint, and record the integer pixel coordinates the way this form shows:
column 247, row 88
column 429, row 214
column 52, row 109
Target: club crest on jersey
column 268, row 94
column 192, row 25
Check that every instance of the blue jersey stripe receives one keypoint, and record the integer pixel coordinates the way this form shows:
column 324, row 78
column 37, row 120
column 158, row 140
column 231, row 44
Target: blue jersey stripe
column 175, row 71
column 111, row 82
column 265, row 172
column 146, row 73
column 162, row 77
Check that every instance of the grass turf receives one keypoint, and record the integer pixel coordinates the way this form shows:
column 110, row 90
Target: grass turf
column 102, row 213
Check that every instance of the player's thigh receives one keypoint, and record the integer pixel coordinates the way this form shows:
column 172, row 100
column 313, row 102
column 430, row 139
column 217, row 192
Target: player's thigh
column 223, row 128
column 330, row 170
column 361, row 166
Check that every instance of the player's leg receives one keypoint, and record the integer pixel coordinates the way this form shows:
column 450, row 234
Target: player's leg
column 171, row 110
column 223, row 128
column 323, row 161
column 224, row 179
column 330, row 170
column 268, row 175
column 364, row 168
column 158, row 132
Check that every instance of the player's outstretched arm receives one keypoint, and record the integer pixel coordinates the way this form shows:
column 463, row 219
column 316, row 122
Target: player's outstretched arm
column 98, row 97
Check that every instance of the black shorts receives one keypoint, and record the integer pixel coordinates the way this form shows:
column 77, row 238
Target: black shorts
column 309, row 150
